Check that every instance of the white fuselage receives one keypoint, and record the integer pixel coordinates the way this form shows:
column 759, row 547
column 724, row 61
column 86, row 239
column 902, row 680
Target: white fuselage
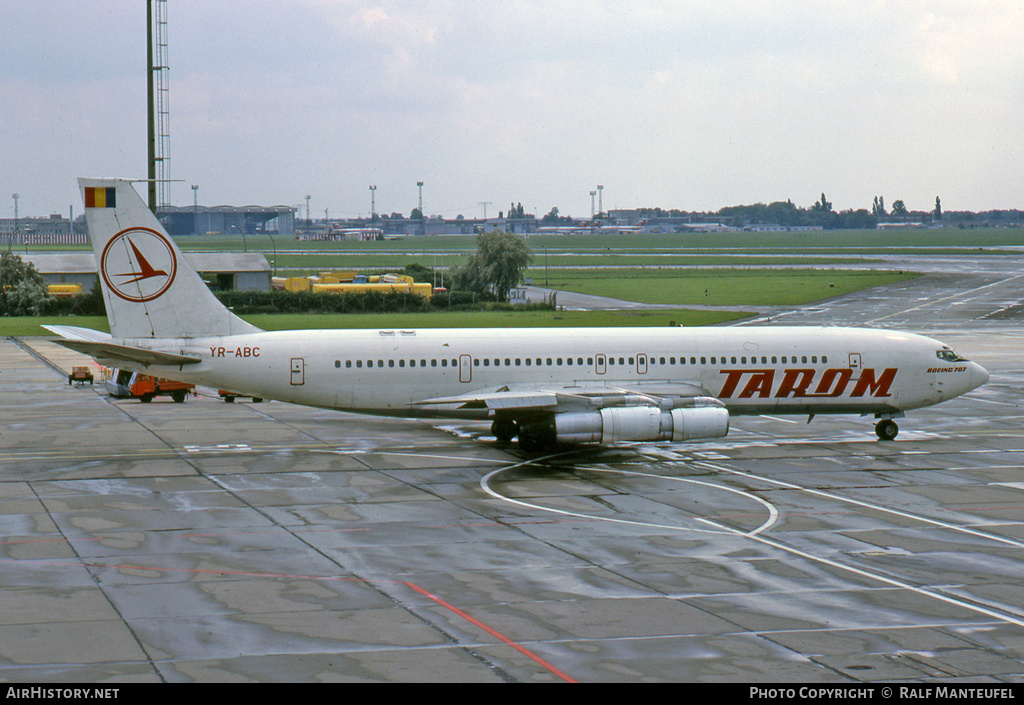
column 752, row 370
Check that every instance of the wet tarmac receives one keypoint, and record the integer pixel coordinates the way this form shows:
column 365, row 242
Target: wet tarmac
column 210, row 542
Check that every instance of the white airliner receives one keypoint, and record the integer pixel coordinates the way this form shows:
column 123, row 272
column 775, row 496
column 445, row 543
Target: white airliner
column 546, row 386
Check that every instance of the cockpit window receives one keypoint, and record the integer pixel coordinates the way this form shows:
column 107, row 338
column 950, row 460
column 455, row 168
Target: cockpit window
column 948, row 355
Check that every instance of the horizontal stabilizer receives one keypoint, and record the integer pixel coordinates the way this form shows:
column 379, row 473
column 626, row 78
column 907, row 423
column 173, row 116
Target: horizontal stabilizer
column 114, row 354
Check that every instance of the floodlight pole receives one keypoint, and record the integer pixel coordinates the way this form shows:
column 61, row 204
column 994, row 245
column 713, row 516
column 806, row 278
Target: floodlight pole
column 151, row 105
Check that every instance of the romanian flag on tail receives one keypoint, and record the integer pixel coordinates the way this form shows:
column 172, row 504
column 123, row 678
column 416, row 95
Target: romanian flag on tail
column 96, row 197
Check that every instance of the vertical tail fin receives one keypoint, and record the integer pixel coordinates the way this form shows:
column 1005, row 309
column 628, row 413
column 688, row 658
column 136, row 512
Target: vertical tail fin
column 149, row 288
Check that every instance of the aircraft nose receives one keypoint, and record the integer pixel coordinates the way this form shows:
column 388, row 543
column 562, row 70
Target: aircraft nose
column 979, row 375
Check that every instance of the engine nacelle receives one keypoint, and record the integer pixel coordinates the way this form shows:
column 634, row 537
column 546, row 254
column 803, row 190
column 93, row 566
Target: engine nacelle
column 641, row 423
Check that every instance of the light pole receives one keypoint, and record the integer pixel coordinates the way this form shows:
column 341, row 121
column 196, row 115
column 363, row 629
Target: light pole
column 423, row 222
column 195, row 209
column 14, row 233
column 373, row 203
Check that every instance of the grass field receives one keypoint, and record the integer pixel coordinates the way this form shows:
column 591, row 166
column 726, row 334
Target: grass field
column 821, row 243
column 655, row 269
column 28, row 326
column 717, row 287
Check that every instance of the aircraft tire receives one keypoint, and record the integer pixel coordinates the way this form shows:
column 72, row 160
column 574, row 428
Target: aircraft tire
column 886, row 429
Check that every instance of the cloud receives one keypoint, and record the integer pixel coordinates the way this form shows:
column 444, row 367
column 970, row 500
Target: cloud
column 691, row 105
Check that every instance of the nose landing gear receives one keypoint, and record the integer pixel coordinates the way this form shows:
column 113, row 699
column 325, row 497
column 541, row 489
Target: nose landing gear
column 886, row 429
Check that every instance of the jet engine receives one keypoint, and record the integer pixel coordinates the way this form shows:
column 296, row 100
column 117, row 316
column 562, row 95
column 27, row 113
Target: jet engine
column 705, row 419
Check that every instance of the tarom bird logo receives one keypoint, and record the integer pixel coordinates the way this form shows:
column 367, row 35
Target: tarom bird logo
column 147, row 269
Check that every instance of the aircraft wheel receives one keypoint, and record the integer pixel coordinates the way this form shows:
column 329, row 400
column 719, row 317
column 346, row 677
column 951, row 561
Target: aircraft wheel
column 886, row 429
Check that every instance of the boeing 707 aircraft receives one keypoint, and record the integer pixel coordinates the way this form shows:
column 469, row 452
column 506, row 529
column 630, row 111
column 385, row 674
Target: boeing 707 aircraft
column 544, row 386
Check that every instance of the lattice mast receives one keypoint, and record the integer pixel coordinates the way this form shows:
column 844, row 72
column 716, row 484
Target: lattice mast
column 158, row 106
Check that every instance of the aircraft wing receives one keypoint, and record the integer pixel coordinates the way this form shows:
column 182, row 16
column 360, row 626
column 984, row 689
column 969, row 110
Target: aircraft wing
column 102, row 347
column 560, row 398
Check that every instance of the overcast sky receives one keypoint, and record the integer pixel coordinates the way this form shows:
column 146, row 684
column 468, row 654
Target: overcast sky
column 679, row 104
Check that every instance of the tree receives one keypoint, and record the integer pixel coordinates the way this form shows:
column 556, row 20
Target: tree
column 22, row 290
column 823, row 205
column 554, row 218
column 496, row 266
column 938, row 209
column 878, row 206
column 899, row 207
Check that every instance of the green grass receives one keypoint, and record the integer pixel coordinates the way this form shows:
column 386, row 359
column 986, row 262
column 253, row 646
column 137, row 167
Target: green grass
column 725, row 287
column 717, row 287
column 496, row 319
column 824, row 242
column 29, row 326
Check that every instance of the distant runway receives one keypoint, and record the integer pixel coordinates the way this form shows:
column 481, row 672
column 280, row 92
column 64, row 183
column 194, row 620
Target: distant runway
column 268, row 542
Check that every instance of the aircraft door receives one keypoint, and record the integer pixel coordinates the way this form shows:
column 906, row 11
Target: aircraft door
column 298, row 371
column 600, row 364
column 855, row 365
column 465, row 368
column 641, row 363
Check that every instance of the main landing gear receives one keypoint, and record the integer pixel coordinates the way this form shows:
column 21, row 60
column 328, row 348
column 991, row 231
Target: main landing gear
column 886, row 429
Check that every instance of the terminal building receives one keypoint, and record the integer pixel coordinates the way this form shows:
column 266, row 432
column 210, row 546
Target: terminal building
column 245, row 220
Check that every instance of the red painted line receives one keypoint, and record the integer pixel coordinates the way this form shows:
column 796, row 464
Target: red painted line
column 493, row 632
column 247, row 574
